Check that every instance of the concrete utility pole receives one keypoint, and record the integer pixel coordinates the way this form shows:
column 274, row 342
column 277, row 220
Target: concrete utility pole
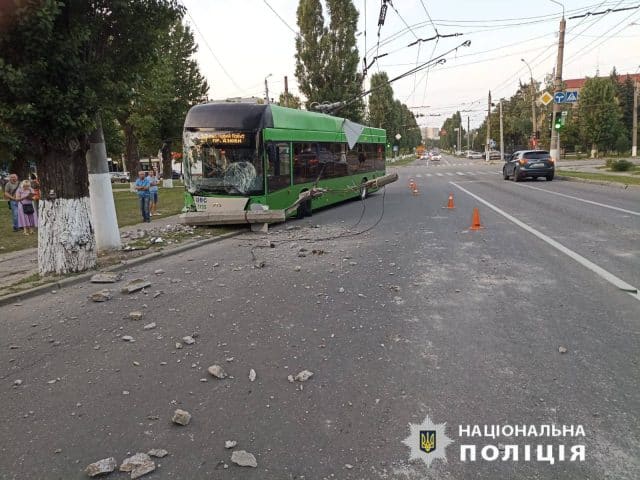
column 533, row 102
column 501, row 134
column 266, row 89
column 634, row 134
column 486, row 147
column 286, row 91
column 468, row 134
column 557, row 87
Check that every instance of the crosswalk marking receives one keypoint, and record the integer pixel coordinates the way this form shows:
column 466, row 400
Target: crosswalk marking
column 449, row 174
column 460, row 173
column 429, row 175
column 439, row 174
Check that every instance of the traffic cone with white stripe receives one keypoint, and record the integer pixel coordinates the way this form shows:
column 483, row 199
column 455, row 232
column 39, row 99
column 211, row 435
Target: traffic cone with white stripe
column 450, row 204
column 475, row 220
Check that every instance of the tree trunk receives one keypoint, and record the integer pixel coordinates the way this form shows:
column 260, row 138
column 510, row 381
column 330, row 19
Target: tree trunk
column 167, row 168
column 594, row 150
column 66, row 240
column 131, row 157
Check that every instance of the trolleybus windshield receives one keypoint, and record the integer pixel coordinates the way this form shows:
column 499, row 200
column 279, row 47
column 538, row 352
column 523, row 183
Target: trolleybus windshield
column 222, row 162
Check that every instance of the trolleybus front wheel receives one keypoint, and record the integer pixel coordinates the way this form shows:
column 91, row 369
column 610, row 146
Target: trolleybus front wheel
column 304, row 209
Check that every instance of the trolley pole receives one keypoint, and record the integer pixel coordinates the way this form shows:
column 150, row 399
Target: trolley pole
column 557, row 87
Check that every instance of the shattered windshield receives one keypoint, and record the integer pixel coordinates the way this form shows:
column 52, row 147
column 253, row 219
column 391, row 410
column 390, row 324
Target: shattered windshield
column 222, row 162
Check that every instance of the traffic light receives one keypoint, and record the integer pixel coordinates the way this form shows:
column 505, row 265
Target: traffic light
column 558, row 124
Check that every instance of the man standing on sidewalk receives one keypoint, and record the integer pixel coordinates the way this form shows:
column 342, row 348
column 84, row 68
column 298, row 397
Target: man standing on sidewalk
column 10, row 195
column 142, row 186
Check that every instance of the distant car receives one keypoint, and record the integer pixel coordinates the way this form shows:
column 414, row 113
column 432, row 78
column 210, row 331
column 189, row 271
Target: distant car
column 529, row 164
column 175, row 175
column 436, row 157
column 474, row 155
column 493, row 155
column 119, row 177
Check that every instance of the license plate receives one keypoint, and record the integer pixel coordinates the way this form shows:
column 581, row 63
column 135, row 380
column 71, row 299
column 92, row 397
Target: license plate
column 537, row 165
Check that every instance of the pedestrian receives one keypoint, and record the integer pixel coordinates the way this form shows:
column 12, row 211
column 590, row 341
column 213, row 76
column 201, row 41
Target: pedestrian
column 10, row 190
column 27, row 216
column 153, row 192
column 35, row 186
column 142, row 186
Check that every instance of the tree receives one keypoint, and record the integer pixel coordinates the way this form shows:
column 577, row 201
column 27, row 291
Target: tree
column 381, row 102
column 327, row 58
column 600, row 115
column 289, row 100
column 61, row 63
column 448, row 135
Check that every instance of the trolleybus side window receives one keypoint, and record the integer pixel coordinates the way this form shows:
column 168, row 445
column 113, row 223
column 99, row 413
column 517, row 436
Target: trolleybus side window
column 333, row 160
column 305, row 162
column 279, row 171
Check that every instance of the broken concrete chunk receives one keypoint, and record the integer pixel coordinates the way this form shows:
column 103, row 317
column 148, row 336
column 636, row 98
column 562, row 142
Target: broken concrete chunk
column 252, row 375
column 290, row 379
column 136, row 315
column 143, row 469
column 130, row 463
column 178, row 345
column 303, row 376
column 106, row 465
column 181, row 417
column 159, row 271
column 149, row 326
column 562, row 349
column 136, row 285
column 127, row 338
column 101, row 296
column 157, row 452
column 108, row 277
column 217, row 371
column 244, row 459
column 189, row 340
column 230, row 444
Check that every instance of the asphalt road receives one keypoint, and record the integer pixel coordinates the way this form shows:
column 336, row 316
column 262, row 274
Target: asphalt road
column 415, row 316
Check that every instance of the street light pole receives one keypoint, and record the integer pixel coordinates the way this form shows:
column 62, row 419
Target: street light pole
column 533, row 102
column 634, row 134
column 266, row 88
column 501, row 135
column 554, row 149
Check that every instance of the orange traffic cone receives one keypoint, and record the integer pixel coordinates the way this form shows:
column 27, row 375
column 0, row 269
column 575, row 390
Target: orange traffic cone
column 475, row 220
column 412, row 184
column 414, row 190
column 450, row 202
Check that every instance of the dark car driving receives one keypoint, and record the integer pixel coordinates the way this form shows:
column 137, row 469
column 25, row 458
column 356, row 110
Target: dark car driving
column 528, row 164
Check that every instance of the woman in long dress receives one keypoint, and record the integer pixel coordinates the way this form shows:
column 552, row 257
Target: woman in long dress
column 27, row 215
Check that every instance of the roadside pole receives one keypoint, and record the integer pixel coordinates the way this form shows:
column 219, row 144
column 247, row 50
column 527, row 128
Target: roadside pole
column 468, row 135
column 554, row 149
column 501, row 135
column 634, row 134
column 486, row 147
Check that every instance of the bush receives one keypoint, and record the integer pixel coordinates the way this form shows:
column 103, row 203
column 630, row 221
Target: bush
column 620, row 165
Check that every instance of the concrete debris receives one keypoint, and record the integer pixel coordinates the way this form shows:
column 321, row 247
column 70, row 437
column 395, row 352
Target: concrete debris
column 181, row 417
column 157, row 452
column 106, row 465
column 348, row 466
column 143, row 469
column 132, row 462
column 260, row 264
column 297, row 268
column 159, row 271
column 302, row 254
column 230, row 444
column 244, row 459
column 217, row 371
column 318, row 252
column 17, row 383
column 128, row 338
column 178, row 345
column 562, row 349
column 290, row 379
column 149, row 326
column 157, row 293
column 136, row 285
column 303, row 376
column 109, row 277
column 188, row 340
column 341, row 290
column 101, row 296
column 252, row 375
column 136, row 315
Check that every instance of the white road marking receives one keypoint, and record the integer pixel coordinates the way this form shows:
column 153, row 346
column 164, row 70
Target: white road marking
column 604, row 205
column 439, row 174
column 469, row 173
column 601, row 272
column 419, row 175
column 449, row 174
column 429, row 175
column 460, row 173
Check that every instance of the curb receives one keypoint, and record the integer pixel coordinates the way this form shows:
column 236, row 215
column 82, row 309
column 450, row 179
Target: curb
column 67, row 282
column 605, row 183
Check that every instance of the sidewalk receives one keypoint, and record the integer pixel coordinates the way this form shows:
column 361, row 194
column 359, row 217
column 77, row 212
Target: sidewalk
column 22, row 265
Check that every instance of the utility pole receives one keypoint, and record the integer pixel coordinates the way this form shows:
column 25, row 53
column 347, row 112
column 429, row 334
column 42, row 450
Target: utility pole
column 486, row 147
column 286, row 91
column 533, row 102
column 557, row 87
column 501, row 135
column 634, row 134
column 266, row 89
column 460, row 136
column 468, row 135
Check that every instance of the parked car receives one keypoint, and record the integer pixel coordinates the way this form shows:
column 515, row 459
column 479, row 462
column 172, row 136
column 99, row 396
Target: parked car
column 175, row 175
column 474, row 155
column 119, row 177
column 493, row 155
column 436, row 157
column 529, row 164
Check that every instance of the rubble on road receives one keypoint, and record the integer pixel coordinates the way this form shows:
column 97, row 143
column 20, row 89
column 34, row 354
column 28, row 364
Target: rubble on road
column 181, row 417
column 106, row 277
column 128, row 464
column 101, row 296
column 303, row 376
column 252, row 375
column 562, row 349
column 188, row 340
column 106, row 465
column 149, row 326
column 157, row 452
column 217, row 371
column 230, row 444
column 136, row 315
column 127, row 338
column 136, row 285
column 244, row 459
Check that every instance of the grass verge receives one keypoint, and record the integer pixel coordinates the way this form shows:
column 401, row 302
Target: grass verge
column 602, row 177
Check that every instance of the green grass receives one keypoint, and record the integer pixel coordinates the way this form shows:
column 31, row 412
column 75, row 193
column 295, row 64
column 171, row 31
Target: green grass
column 170, row 202
column 402, row 162
column 625, row 179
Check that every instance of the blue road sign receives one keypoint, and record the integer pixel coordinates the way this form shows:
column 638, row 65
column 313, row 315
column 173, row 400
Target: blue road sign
column 571, row 96
column 559, row 97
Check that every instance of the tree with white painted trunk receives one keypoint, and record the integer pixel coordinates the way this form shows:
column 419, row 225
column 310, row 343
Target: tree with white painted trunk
column 62, row 62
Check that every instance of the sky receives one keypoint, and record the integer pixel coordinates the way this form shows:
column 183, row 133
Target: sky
column 243, row 41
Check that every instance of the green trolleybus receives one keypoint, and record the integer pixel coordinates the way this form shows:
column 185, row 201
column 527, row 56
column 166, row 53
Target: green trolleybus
column 241, row 158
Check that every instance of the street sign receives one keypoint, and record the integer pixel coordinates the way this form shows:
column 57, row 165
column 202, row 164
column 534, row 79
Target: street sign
column 571, row 96
column 546, row 98
column 559, row 97
column 398, row 136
